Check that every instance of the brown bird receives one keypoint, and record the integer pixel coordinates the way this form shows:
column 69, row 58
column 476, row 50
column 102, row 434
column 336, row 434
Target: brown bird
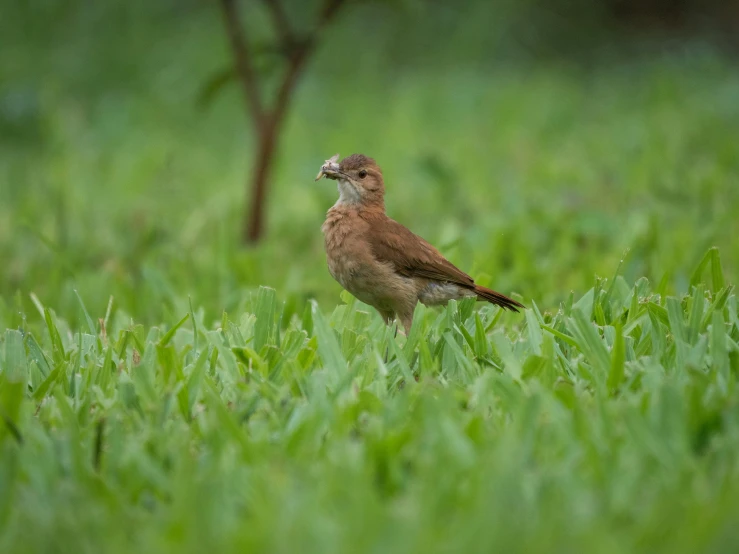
column 380, row 261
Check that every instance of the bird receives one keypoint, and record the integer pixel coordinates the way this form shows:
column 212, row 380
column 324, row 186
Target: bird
column 381, row 262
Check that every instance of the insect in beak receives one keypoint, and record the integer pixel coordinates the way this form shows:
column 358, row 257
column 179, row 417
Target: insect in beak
column 329, row 169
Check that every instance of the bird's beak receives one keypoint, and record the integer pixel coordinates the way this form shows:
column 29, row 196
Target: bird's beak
column 330, row 168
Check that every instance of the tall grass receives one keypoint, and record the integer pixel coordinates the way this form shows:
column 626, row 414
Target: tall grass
column 609, row 424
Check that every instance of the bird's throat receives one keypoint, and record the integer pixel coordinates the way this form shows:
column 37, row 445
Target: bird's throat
column 348, row 194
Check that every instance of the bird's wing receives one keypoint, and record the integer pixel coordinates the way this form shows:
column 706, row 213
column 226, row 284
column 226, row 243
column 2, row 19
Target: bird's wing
column 411, row 255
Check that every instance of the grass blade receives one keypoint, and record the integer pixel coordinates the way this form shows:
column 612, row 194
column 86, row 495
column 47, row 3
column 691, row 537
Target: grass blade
column 534, row 332
column 328, row 345
column 590, row 343
column 618, row 361
column 164, row 341
column 88, row 319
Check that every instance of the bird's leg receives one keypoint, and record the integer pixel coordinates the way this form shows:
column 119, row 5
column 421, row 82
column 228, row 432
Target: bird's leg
column 406, row 318
column 395, row 336
column 388, row 317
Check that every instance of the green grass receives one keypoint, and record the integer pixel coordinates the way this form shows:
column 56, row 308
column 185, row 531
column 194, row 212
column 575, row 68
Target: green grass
column 163, row 389
column 608, row 425
column 532, row 178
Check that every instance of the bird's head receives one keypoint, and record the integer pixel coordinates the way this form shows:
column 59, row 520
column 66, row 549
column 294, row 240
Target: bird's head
column 359, row 179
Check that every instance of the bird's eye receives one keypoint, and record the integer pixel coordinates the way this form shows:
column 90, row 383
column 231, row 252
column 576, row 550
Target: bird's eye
column 362, row 174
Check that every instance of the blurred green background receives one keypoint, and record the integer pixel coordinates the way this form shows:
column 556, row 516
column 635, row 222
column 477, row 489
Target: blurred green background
column 544, row 146
column 533, row 142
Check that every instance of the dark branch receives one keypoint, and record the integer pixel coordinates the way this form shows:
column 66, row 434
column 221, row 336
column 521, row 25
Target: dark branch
column 297, row 50
column 329, row 11
column 281, row 23
column 243, row 61
column 301, row 52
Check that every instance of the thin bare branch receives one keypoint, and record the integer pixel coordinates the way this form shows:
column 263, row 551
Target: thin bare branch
column 243, row 61
column 329, row 11
column 298, row 50
column 300, row 55
column 281, row 23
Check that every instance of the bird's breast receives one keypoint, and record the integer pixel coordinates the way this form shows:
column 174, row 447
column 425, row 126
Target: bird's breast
column 343, row 251
column 350, row 259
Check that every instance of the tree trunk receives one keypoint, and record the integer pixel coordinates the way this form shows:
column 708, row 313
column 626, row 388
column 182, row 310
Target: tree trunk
column 257, row 185
column 268, row 132
column 267, row 122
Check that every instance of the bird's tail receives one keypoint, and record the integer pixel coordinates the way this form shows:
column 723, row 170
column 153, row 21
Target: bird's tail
column 497, row 299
